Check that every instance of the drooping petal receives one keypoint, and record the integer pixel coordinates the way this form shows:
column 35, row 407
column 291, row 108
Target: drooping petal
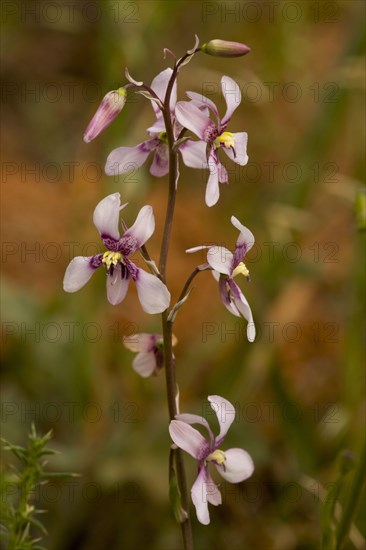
column 160, row 163
column 127, row 159
column 220, row 259
column 238, row 466
column 140, row 342
column 242, row 304
column 212, row 187
column 203, row 101
column 244, row 242
column 78, row 273
column 106, row 216
column 223, row 175
column 187, row 438
column 225, row 413
column 232, row 95
column 142, row 229
column 225, row 296
column 193, row 119
column 116, row 286
column 195, row 419
column 159, row 86
column 203, row 491
column 153, row 294
column 194, row 154
column 240, row 156
column 144, row 364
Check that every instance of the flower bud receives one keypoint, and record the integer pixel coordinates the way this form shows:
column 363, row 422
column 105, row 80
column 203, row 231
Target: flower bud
column 223, row 48
column 111, row 105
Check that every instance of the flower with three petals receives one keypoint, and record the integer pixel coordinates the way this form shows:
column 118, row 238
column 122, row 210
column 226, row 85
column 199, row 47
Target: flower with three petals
column 226, row 266
column 234, row 465
column 195, row 116
column 153, row 294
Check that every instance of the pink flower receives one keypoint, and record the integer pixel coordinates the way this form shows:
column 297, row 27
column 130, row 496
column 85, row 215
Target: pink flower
column 234, row 465
column 150, row 352
column 125, row 159
column 153, row 294
column 110, row 107
column 195, row 116
column 226, row 266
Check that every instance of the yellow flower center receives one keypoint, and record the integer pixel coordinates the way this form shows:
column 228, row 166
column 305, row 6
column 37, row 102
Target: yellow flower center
column 217, row 456
column 163, row 137
column 111, row 258
column 227, row 139
column 241, row 269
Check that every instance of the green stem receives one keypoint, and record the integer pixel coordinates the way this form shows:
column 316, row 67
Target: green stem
column 167, row 328
column 353, row 499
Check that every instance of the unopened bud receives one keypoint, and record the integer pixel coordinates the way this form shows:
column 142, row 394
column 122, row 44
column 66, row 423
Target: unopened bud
column 111, row 105
column 223, row 48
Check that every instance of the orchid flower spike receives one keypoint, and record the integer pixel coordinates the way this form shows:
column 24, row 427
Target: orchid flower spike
column 110, row 107
column 153, row 294
column 195, row 116
column 226, row 266
column 234, row 465
column 150, row 355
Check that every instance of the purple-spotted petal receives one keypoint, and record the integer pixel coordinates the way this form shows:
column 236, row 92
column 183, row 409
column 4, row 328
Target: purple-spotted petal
column 192, row 118
column 116, row 286
column 141, row 342
column 240, row 148
column 238, row 466
column 203, row 491
column 195, row 419
column 144, row 364
column 194, row 154
column 212, row 187
column 220, row 259
column 159, row 86
column 203, row 101
column 232, row 95
column 225, row 413
column 187, row 438
column 106, row 216
column 153, row 294
column 142, row 229
column 127, row 159
column 78, row 273
column 160, row 163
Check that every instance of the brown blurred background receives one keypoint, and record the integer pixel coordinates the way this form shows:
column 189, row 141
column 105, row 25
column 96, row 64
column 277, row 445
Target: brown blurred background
column 299, row 389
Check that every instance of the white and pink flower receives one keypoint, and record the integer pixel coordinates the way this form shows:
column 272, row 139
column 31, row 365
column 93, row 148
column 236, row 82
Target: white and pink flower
column 234, row 465
column 226, row 265
column 195, row 116
column 150, row 352
column 153, row 294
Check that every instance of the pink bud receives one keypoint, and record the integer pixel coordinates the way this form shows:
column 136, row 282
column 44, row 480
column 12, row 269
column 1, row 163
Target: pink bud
column 110, row 106
column 223, row 48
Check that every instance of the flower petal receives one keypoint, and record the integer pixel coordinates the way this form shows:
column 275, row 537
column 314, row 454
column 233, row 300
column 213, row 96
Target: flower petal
column 78, row 273
column 111, row 105
column 143, row 227
column 187, row 438
column 160, row 163
column 106, row 216
column 141, row 342
column 159, row 86
column 220, row 259
column 242, row 304
column 195, row 419
column 203, row 491
column 192, row 118
column 127, row 159
column 225, row 413
column 240, row 157
column 232, row 95
column 194, row 154
column 116, row 286
column 203, row 101
column 212, row 187
column 153, row 294
column 238, row 466
column 144, row 364
column 244, row 242
column 225, row 297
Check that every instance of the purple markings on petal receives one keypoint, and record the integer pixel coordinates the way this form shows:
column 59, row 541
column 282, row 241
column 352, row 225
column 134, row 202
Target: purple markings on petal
column 127, row 245
column 96, row 261
column 111, row 105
